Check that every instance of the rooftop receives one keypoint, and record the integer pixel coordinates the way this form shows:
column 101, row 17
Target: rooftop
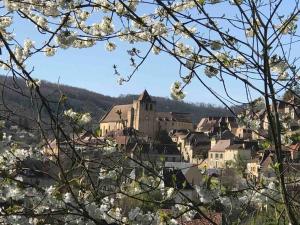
column 117, row 113
column 221, row 145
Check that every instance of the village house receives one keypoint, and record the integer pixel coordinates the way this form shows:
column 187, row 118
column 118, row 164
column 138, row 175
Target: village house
column 85, row 144
column 174, row 178
column 143, row 116
column 226, row 151
column 214, row 125
column 192, row 145
column 191, row 172
column 154, row 152
column 288, row 111
column 261, row 165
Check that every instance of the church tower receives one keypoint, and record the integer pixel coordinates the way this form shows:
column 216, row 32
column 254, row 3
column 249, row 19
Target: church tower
column 145, row 115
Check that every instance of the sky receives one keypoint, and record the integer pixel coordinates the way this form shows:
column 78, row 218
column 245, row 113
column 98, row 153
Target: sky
column 92, row 69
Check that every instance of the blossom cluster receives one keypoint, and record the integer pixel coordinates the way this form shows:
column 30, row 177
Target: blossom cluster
column 78, row 118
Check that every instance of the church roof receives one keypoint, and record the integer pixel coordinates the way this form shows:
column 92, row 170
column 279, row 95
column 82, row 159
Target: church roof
column 145, row 97
column 114, row 116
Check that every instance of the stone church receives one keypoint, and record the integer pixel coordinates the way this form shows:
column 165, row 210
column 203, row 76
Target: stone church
column 143, row 116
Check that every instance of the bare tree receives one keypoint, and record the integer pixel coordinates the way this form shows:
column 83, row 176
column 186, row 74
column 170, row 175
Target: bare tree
column 252, row 42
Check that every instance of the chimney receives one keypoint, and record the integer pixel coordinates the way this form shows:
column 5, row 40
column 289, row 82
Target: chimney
column 213, row 142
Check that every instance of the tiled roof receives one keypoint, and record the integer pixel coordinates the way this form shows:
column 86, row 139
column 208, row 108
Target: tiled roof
column 175, row 178
column 209, row 126
column 225, row 135
column 114, row 116
column 179, row 133
column 221, row 145
column 122, row 140
column 235, row 146
column 295, row 147
column 85, row 139
column 194, row 138
column 164, row 149
column 206, row 125
column 266, row 159
column 174, row 116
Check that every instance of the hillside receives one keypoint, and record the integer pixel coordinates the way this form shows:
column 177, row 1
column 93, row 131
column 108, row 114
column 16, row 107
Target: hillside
column 15, row 100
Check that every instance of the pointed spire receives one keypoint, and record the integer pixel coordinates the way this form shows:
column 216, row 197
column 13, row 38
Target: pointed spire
column 145, row 97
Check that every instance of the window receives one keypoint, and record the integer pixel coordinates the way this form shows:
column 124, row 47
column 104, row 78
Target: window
column 146, row 106
column 221, row 156
column 211, row 155
column 217, row 155
column 150, row 107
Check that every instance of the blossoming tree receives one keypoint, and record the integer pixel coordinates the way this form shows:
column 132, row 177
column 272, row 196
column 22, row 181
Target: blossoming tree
column 252, row 42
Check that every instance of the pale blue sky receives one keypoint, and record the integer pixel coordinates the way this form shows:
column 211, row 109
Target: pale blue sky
column 92, row 69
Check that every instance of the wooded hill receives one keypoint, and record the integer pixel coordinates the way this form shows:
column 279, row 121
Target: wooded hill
column 15, row 99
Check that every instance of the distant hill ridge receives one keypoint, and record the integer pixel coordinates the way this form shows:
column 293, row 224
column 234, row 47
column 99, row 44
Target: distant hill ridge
column 97, row 104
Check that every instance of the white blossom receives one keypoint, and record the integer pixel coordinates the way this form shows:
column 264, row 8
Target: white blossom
column 65, row 38
column 156, row 50
column 49, row 51
column 110, row 46
column 85, row 118
column 5, row 21
column 176, row 91
column 211, row 71
column 68, row 197
column 70, row 113
column 215, row 45
column 170, row 192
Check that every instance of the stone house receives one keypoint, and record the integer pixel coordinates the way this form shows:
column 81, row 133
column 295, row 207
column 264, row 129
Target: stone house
column 174, row 178
column 192, row 145
column 214, row 125
column 260, row 166
column 226, row 151
column 191, row 172
column 153, row 152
